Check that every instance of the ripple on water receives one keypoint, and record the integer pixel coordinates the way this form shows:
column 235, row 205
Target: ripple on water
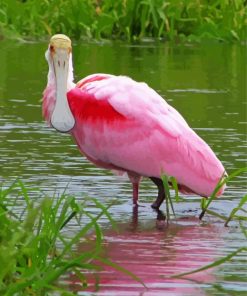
column 206, row 86
column 154, row 253
column 202, row 91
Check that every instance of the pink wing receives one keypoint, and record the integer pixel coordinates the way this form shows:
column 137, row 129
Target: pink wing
column 126, row 125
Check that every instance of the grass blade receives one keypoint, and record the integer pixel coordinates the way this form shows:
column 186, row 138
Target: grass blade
column 122, row 269
column 213, row 264
column 221, row 182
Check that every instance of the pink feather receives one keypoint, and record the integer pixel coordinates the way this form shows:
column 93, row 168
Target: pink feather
column 125, row 125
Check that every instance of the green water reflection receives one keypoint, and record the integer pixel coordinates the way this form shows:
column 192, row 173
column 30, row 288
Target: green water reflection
column 206, row 83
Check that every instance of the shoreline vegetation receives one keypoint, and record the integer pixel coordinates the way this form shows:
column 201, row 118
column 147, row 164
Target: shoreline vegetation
column 131, row 20
column 36, row 249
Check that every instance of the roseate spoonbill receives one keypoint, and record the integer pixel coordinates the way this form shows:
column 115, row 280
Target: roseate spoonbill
column 124, row 125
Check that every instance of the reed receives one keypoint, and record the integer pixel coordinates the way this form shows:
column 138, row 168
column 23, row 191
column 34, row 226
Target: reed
column 218, row 261
column 206, row 203
column 170, row 184
column 213, row 264
column 189, row 20
column 36, row 252
column 232, row 216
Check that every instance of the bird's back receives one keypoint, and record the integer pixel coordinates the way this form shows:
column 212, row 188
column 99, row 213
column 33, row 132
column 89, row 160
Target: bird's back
column 126, row 125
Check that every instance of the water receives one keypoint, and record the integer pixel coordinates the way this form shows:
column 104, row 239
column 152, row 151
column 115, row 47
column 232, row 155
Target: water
column 207, row 84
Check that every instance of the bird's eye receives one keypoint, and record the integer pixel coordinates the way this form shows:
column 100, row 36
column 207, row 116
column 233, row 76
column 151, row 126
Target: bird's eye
column 52, row 49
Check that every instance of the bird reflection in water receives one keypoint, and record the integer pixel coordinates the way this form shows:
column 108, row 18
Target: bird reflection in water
column 154, row 251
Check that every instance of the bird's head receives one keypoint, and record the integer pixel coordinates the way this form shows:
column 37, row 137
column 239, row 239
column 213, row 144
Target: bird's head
column 60, row 69
column 60, row 49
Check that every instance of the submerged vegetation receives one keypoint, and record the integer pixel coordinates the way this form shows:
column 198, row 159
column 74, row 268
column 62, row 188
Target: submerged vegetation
column 129, row 19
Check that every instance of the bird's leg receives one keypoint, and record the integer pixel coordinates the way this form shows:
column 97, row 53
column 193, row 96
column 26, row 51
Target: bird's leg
column 135, row 192
column 134, row 223
column 161, row 192
column 135, row 180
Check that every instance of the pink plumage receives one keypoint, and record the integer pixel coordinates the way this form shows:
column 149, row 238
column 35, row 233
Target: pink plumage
column 125, row 125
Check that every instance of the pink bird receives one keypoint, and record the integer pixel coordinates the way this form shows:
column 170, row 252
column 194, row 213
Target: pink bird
column 125, row 126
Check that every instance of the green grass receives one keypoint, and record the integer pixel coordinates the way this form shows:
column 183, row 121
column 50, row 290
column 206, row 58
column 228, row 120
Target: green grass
column 218, row 261
column 205, row 209
column 35, row 251
column 170, row 183
column 189, row 20
column 206, row 203
column 213, row 264
column 168, row 200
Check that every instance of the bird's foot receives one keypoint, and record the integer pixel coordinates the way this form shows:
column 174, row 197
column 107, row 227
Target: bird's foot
column 160, row 216
column 137, row 204
column 160, row 220
column 155, row 206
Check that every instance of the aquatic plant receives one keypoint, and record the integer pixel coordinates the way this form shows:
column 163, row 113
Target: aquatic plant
column 233, row 215
column 130, row 19
column 217, row 262
column 206, row 202
column 35, row 251
column 170, row 184
column 169, row 203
